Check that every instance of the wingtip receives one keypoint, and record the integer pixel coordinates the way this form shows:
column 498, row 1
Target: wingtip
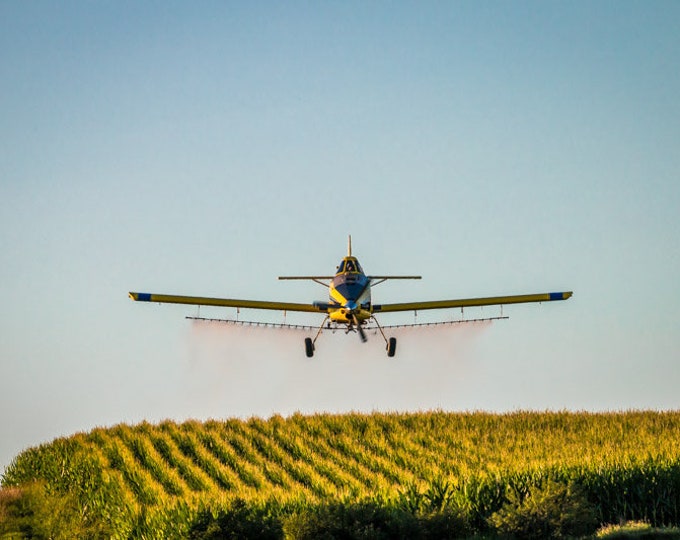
column 140, row 296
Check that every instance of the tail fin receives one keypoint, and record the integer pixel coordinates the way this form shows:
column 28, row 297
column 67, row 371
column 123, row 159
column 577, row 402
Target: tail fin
column 349, row 245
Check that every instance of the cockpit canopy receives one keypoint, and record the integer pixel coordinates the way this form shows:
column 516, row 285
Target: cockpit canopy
column 349, row 265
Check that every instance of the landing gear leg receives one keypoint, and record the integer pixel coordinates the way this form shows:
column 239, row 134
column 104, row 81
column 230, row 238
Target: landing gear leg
column 309, row 342
column 391, row 343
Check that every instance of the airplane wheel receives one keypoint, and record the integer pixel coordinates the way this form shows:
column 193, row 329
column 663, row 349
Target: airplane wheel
column 309, row 347
column 392, row 347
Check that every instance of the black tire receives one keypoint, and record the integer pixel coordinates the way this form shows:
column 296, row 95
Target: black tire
column 309, row 347
column 392, row 347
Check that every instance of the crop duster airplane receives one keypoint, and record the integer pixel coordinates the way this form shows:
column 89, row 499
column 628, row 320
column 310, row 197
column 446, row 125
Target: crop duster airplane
column 349, row 302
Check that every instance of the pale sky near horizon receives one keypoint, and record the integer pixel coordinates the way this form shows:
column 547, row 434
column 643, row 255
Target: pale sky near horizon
column 207, row 148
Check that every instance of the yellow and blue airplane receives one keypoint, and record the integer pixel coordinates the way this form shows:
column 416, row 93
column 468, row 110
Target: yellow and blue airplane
column 349, row 301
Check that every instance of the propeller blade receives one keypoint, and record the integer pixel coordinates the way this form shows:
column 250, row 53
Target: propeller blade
column 362, row 334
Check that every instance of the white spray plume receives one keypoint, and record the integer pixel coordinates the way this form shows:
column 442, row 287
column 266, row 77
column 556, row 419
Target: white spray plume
column 247, row 371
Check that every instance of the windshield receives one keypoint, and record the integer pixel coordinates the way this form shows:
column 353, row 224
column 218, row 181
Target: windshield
column 349, row 265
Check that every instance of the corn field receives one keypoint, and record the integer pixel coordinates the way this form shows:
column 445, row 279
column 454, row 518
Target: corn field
column 153, row 481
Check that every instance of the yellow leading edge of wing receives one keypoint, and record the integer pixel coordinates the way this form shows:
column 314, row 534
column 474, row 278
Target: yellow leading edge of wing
column 472, row 302
column 223, row 302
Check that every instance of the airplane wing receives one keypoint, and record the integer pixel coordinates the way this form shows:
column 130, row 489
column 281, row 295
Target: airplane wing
column 384, row 278
column 472, row 302
column 225, row 302
column 312, row 278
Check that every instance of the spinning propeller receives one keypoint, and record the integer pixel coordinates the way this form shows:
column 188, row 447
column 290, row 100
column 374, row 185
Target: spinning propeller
column 362, row 334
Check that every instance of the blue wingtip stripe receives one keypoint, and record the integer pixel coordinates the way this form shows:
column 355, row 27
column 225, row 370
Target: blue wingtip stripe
column 144, row 297
column 556, row 296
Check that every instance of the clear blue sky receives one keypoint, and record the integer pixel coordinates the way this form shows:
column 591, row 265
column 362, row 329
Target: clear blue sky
column 493, row 147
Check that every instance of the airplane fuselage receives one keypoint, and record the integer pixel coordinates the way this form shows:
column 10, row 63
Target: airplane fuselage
column 350, row 293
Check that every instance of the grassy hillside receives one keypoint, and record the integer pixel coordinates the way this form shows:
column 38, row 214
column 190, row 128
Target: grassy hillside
column 161, row 478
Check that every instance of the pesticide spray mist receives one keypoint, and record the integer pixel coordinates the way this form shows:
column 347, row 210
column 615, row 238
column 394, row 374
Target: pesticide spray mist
column 242, row 371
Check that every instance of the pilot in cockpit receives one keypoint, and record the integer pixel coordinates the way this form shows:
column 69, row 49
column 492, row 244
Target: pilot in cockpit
column 349, row 267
